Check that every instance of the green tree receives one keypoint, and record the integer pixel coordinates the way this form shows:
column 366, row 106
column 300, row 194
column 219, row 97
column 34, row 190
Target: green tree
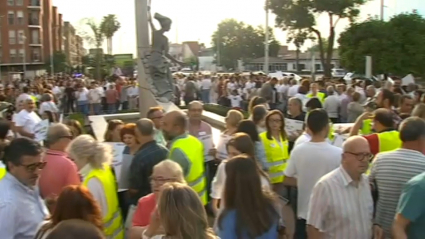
column 233, row 41
column 94, row 36
column 299, row 16
column 109, row 26
column 59, row 62
column 396, row 46
column 316, row 47
column 192, row 62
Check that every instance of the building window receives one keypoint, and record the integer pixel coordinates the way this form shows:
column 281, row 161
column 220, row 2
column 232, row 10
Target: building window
column 35, row 37
column 19, row 2
column 11, row 17
column 35, row 57
column 10, row 2
column 21, row 55
column 20, row 18
column 12, row 55
column 12, row 37
column 21, row 36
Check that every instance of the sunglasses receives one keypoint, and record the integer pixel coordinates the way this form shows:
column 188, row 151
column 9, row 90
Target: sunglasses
column 34, row 166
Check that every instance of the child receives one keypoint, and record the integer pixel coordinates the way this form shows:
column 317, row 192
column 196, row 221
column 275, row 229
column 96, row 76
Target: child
column 235, row 99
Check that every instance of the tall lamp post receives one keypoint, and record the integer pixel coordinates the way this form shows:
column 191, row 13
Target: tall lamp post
column 24, row 38
column 266, row 43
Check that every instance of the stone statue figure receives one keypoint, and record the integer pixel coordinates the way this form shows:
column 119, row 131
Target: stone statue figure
column 159, row 67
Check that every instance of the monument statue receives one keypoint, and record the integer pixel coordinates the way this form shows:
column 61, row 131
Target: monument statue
column 157, row 62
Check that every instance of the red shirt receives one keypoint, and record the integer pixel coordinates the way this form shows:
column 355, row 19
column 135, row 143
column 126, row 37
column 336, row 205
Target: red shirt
column 58, row 173
column 373, row 143
column 145, row 207
column 111, row 96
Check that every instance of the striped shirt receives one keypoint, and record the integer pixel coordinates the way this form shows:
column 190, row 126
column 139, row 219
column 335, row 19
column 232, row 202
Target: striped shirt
column 340, row 209
column 389, row 172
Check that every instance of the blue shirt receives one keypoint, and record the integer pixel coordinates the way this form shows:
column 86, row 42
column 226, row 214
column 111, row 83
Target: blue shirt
column 21, row 209
column 411, row 205
column 228, row 228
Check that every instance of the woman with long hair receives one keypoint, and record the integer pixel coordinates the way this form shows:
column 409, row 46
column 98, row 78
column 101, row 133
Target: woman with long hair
column 248, row 127
column 74, row 202
column 232, row 121
column 249, row 211
column 276, row 145
column 93, row 160
column 259, row 113
column 75, row 127
column 112, row 133
column 181, row 213
column 256, row 100
column 240, row 143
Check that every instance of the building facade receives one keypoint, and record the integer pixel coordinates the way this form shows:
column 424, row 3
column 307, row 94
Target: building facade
column 71, row 45
column 30, row 32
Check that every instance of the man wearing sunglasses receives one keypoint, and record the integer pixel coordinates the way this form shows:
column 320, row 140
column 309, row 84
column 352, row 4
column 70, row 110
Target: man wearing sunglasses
column 21, row 207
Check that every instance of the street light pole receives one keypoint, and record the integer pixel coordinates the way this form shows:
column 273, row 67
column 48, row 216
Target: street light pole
column 24, row 38
column 382, row 10
column 266, row 44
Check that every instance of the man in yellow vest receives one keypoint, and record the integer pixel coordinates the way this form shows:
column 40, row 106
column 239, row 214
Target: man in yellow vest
column 386, row 138
column 316, row 93
column 187, row 151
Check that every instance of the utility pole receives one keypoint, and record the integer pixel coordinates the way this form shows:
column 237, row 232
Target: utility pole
column 382, row 10
column 24, row 38
column 266, row 41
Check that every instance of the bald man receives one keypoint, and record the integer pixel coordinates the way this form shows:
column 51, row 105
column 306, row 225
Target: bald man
column 341, row 204
column 187, row 151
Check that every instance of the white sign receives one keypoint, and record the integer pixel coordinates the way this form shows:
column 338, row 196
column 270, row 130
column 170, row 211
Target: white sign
column 208, row 145
column 339, row 140
column 409, row 79
column 293, row 127
column 40, row 130
column 117, row 160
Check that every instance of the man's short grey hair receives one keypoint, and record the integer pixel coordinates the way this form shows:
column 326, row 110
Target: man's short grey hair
column 412, row 129
column 330, row 90
column 195, row 103
column 46, row 97
column 56, row 132
column 145, row 127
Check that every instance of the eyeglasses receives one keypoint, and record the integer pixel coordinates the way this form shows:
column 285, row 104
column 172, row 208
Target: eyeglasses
column 161, row 180
column 362, row 156
column 34, row 166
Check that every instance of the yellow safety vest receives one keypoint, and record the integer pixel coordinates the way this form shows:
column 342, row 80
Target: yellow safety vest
column 319, row 95
column 366, row 127
column 2, row 173
column 194, row 151
column 112, row 222
column 389, row 140
column 331, row 135
column 276, row 157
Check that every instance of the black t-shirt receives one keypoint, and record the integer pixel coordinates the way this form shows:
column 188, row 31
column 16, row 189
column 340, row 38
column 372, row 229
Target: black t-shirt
column 69, row 93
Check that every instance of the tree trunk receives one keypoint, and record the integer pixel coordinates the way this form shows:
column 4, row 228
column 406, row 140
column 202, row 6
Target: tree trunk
column 321, row 50
column 110, row 45
column 331, row 40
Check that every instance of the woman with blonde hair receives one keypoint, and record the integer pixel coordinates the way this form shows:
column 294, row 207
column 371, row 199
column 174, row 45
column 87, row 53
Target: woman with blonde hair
column 164, row 172
column 419, row 110
column 233, row 118
column 181, row 213
column 93, row 160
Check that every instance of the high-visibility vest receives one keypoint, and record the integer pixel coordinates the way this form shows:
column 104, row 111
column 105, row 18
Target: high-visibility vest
column 319, row 95
column 389, row 140
column 194, row 151
column 276, row 156
column 331, row 135
column 366, row 127
column 112, row 222
column 2, row 173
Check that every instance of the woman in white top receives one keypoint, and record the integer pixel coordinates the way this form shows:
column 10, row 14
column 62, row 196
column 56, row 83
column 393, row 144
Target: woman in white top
column 48, row 105
column 181, row 213
column 240, row 143
column 232, row 121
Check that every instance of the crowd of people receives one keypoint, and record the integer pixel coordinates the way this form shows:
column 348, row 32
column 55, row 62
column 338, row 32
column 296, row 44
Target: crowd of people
column 260, row 180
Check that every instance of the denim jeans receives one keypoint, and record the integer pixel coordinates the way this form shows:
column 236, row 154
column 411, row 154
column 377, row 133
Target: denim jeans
column 205, row 96
column 112, row 108
column 96, row 108
column 83, row 107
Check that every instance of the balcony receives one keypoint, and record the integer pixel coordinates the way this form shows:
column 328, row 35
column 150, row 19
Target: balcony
column 35, row 42
column 34, row 4
column 34, row 22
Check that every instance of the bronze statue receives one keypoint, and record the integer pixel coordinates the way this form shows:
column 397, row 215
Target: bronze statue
column 159, row 67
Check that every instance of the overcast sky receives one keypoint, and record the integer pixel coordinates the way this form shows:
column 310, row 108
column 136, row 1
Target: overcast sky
column 196, row 20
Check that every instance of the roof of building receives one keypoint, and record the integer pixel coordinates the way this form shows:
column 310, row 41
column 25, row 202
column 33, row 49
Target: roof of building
column 193, row 46
column 291, row 55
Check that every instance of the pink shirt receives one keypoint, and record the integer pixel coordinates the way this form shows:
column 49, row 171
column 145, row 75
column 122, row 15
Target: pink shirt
column 58, row 173
column 111, row 96
column 145, row 207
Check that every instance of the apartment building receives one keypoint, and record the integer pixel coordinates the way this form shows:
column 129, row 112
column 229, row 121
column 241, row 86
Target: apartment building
column 81, row 51
column 30, row 32
column 71, row 45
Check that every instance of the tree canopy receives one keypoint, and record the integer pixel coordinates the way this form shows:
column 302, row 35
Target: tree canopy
column 235, row 41
column 298, row 17
column 109, row 26
column 59, row 62
column 396, row 46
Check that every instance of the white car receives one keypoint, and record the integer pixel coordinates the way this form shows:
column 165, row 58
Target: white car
column 338, row 73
